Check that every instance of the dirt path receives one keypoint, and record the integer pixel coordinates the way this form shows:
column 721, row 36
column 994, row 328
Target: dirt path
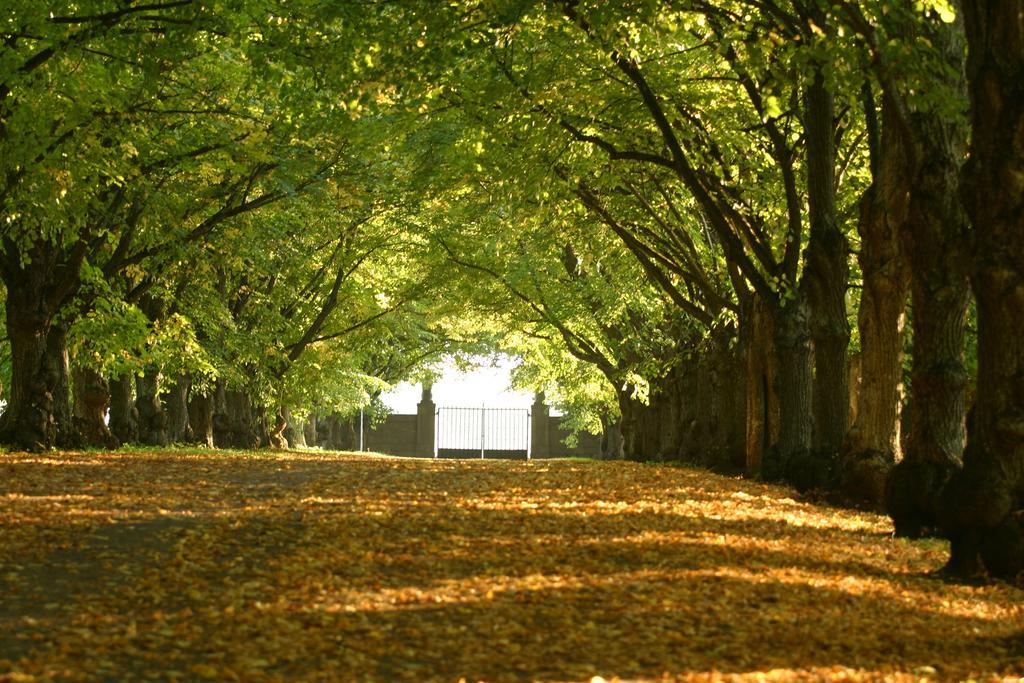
column 324, row 567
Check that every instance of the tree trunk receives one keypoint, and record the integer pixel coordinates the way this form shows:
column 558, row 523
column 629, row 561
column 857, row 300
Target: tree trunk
column 310, row 431
column 794, row 358
column 200, row 417
column 179, row 429
column 323, row 432
column 275, row 435
column 702, row 425
column 294, row 432
column 762, row 408
column 648, row 431
column 38, row 411
column 612, row 443
column 336, row 440
column 630, row 425
column 872, row 444
column 124, row 416
column 825, row 274
column 235, row 424
column 983, row 500
column 670, row 436
column 934, row 241
column 58, row 368
column 92, row 399
column 261, row 425
column 688, row 390
column 28, row 421
column 730, row 418
column 152, row 417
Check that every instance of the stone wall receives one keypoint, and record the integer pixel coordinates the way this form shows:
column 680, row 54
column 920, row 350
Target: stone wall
column 396, row 436
column 413, row 435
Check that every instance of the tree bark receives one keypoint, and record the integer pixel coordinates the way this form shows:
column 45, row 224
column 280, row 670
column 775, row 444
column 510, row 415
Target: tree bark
column 275, row 435
column 38, row 412
column 761, row 401
column 612, row 443
column 630, row 425
column 793, row 386
column 28, row 421
column 235, row 423
column 91, row 401
column 872, row 444
column 934, row 240
column 152, row 416
column 294, row 433
column 730, row 404
column 670, row 421
column 310, row 431
column 825, row 274
column 58, row 368
column 200, row 417
column 179, row 429
column 124, row 416
column 982, row 501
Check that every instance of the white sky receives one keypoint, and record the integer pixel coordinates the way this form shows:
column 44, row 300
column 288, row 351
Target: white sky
column 487, row 386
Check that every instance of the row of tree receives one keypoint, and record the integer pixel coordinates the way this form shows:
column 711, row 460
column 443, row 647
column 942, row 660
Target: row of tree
column 703, row 226
column 730, row 210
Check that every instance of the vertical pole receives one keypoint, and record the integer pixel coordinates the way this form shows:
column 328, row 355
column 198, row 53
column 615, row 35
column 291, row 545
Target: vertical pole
column 483, row 430
column 529, row 422
column 361, row 430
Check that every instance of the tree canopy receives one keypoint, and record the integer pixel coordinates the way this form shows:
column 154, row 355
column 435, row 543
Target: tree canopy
column 737, row 232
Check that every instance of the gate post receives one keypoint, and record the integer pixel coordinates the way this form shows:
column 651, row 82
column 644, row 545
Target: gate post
column 540, row 444
column 426, row 413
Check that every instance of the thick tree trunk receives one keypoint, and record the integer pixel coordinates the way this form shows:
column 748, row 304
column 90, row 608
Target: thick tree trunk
column 688, row 388
column 294, row 432
column 762, row 408
column 702, row 426
column 323, row 432
column 983, row 501
column 670, row 418
column 791, row 454
column 179, row 428
column 152, row 416
column 58, row 368
column 275, row 435
column 825, row 275
column 872, row 444
column 38, row 411
column 261, row 425
column 234, row 421
column 649, row 432
column 310, row 431
column 28, row 421
column 730, row 404
column 630, row 426
column 200, row 417
column 92, row 399
column 336, row 428
column 934, row 240
column 124, row 416
column 612, row 443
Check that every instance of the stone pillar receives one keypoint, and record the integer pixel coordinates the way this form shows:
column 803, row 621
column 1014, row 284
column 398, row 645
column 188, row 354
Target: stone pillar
column 426, row 413
column 540, row 428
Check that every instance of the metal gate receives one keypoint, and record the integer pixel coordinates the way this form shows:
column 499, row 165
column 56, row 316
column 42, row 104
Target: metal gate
column 502, row 433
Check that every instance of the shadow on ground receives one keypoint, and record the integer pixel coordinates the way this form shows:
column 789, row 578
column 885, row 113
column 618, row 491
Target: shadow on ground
column 324, row 567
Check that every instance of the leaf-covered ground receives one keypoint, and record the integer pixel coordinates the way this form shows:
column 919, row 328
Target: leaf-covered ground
column 221, row 566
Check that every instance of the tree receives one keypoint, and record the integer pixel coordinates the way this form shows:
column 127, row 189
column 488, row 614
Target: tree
column 982, row 498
